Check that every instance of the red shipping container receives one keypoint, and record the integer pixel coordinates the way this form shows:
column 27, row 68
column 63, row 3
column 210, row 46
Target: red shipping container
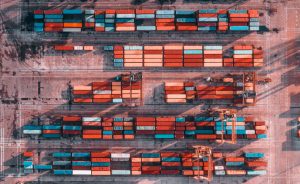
column 164, row 20
column 38, row 11
column 100, row 154
column 169, row 154
column 136, row 168
column 186, row 28
column 125, row 11
column 187, row 172
column 235, row 159
column 173, row 65
column 151, row 172
column 98, row 12
column 239, row 19
column 119, row 56
column 251, row 136
column 213, row 56
column 151, row 168
column 207, row 15
column 110, row 11
column 145, row 132
column 205, row 123
column 102, row 100
column 193, row 64
column 81, row 167
column 153, row 52
column 100, row 168
column 54, row 24
column 53, row 29
column 82, row 100
column 193, row 56
column 136, row 164
column 71, row 118
column 164, row 132
column 175, row 88
column 145, row 11
column 206, row 136
column 165, row 123
column 257, row 163
column 238, row 24
column 165, row 28
column 170, row 172
column 63, row 47
column 174, row 92
column 28, row 154
column 100, row 159
column 92, row 132
column 82, row 92
column 260, row 123
column 51, row 131
column 171, row 164
column 179, row 136
column 204, row 24
column 52, row 12
column 72, row 132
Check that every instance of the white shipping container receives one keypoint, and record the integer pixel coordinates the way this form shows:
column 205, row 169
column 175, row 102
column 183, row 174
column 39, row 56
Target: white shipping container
column 217, row 167
column 218, row 132
column 71, row 29
column 91, row 119
column 145, row 127
column 89, row 11
column 120, row 155
column 250, row 131
column 102, row 92
column 82, row 172
column 120, row 172
column 78, row 47
column 36, row 132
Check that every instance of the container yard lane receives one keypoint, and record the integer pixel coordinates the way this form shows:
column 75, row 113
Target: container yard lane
column 48, row 135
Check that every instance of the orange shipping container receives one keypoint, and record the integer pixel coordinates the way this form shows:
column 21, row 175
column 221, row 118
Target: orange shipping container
column 85, row 136
column 73, row 25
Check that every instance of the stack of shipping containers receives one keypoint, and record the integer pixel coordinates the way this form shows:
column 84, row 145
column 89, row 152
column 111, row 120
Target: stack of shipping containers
column 193, row 56
column 89, row 20
column 239, row 20
column 222, row 20
column 207, row 20
column 100, row 20
column 153, row 56
column 151, row 163
column 170, row 163
column 254, row 22
column 110, row 20
column 186, row 20
column 53, row 21
column 125, row 20
column 175, row 92
column 101, row 163
column 91, row 128
column 39, row 21
column 213, row 56
column 72, row 20
column 165, row 20
column 71, row 126
column 173, row 56
column 165, row 128
column 52, row 131
column 133, row 56
column 145, row 20
column 145, row 125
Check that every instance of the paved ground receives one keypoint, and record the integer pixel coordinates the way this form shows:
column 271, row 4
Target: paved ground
column 23, row 70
